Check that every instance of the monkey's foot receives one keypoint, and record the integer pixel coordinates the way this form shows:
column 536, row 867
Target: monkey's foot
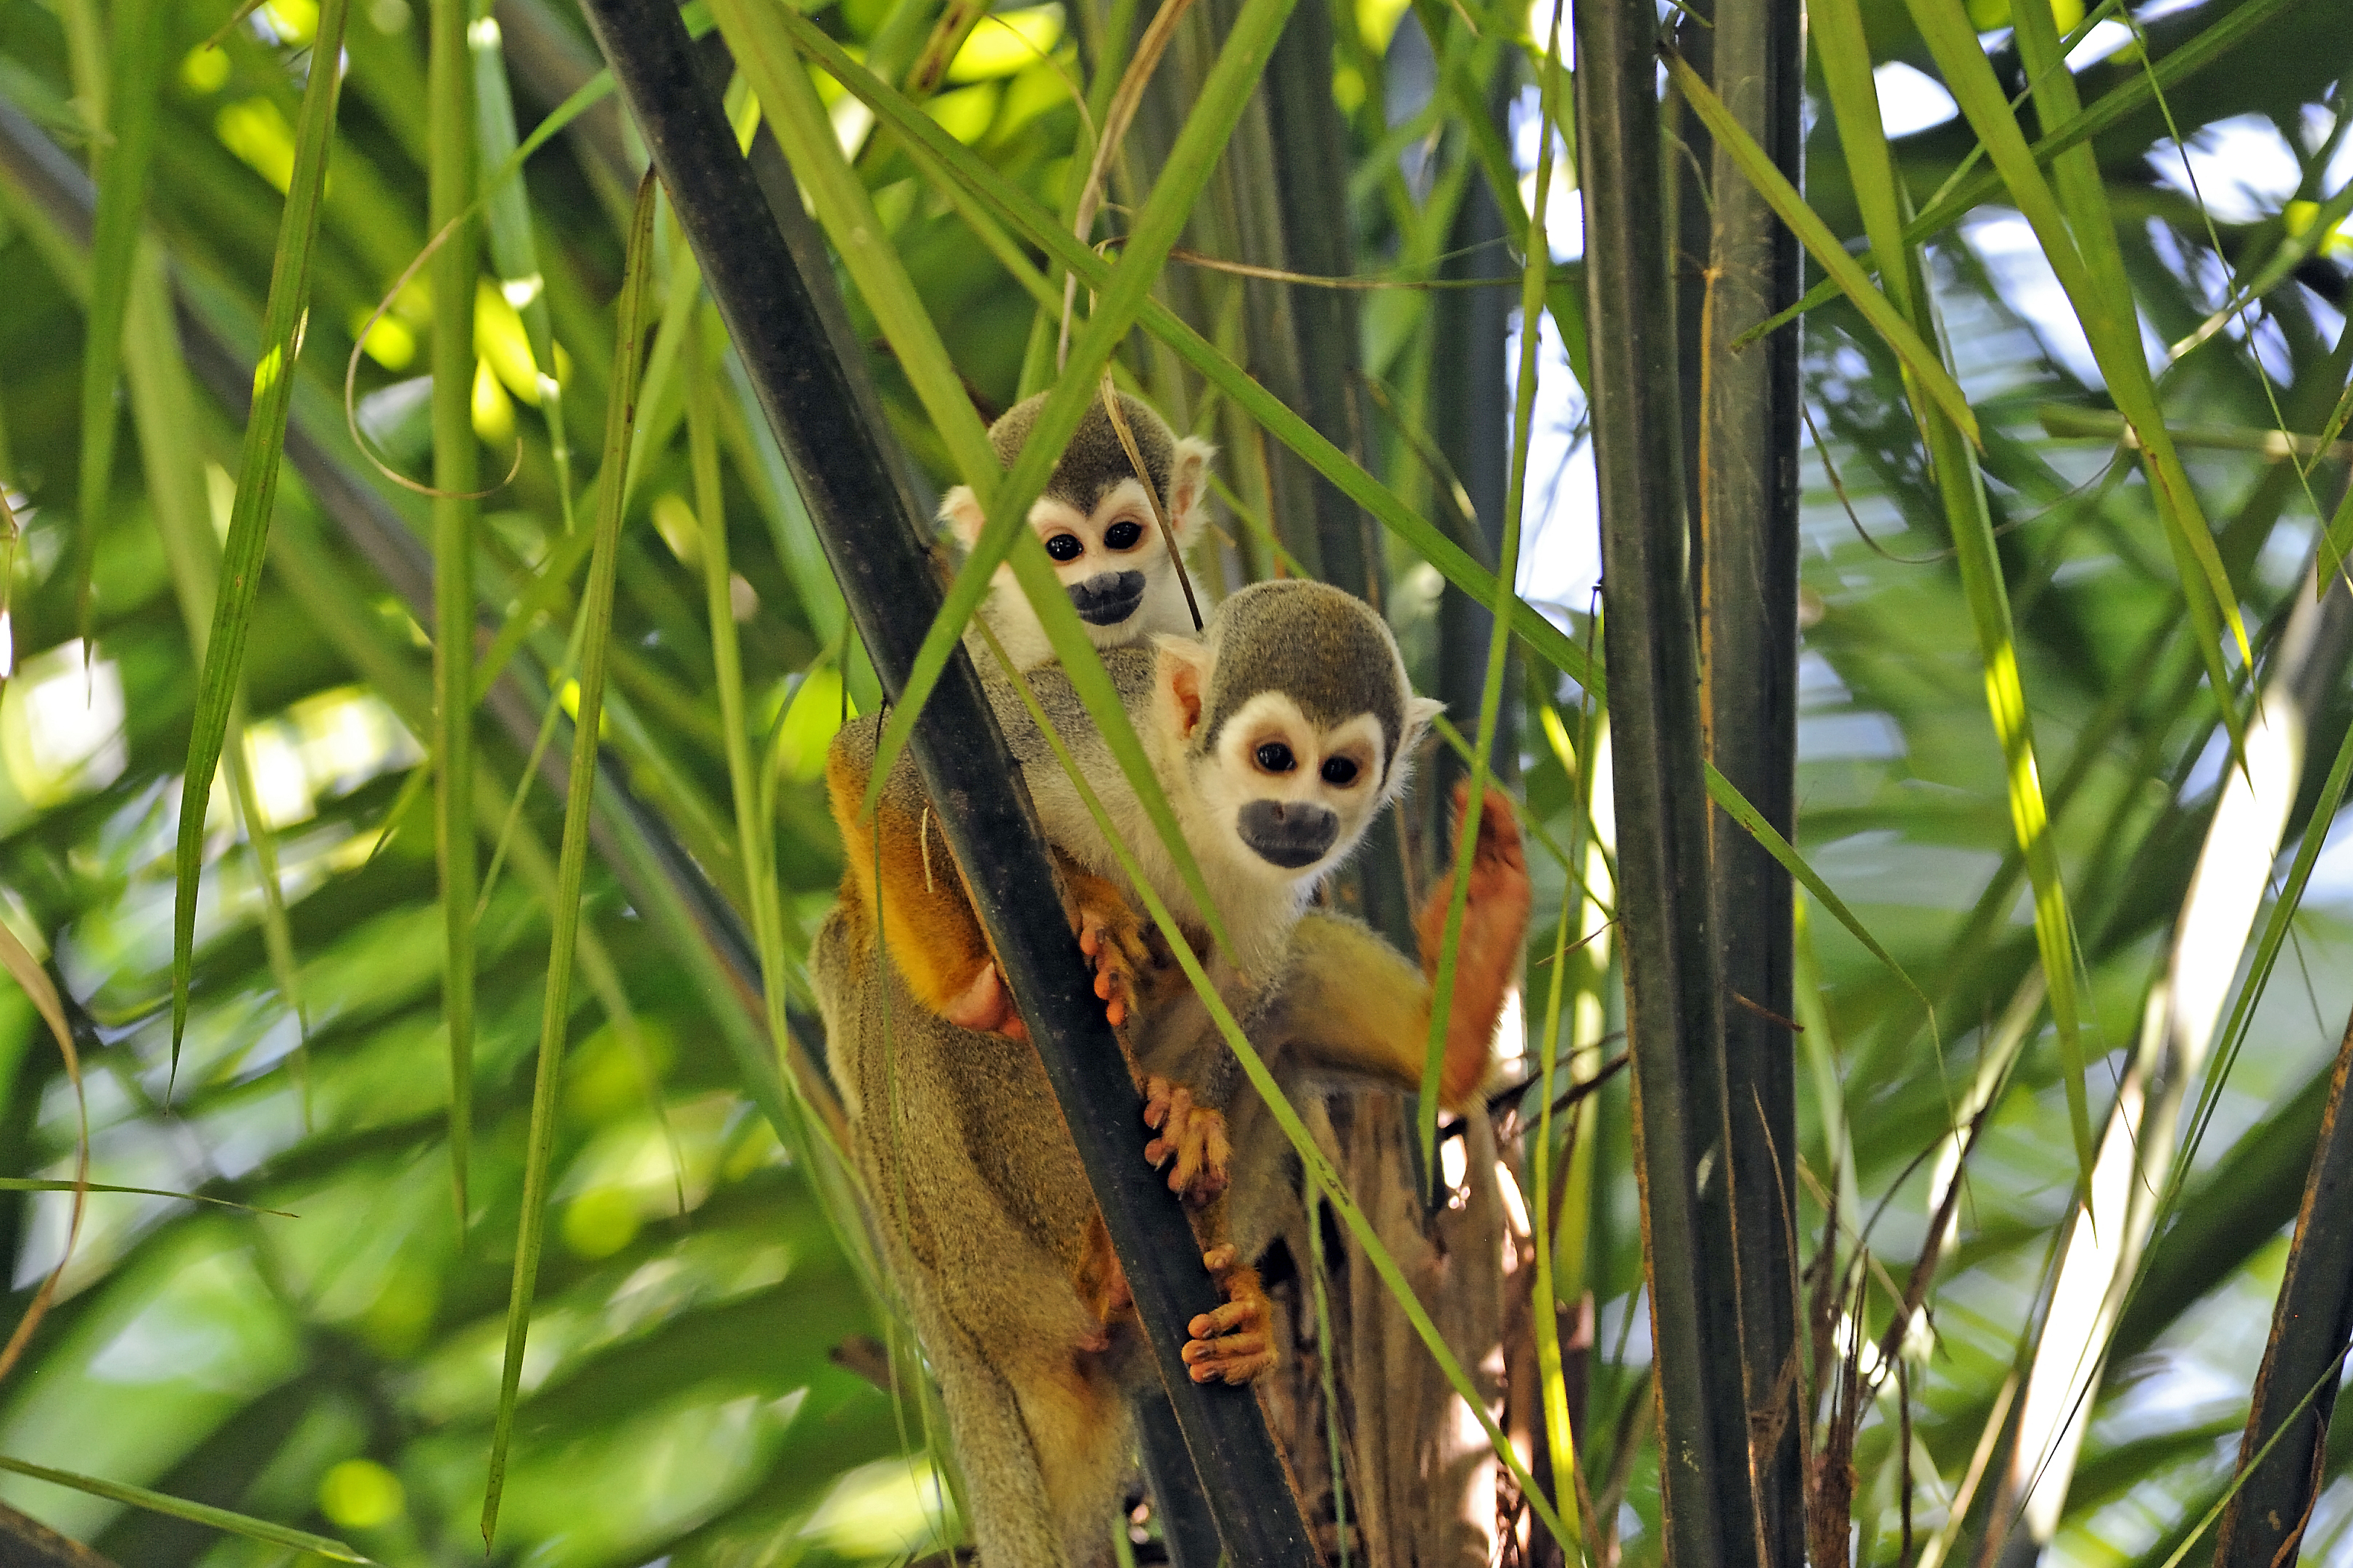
column 986, row 1007
column 1192, row 1141
column 1100, row 1283
column 1235, row 1343
column 1111, row 937
column 1494, row 928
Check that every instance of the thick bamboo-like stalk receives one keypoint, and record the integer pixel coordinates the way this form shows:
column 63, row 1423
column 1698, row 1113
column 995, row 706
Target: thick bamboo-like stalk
column 2281, row 1462
column 829, row 425
column 1673, row 989
column 1747, row 485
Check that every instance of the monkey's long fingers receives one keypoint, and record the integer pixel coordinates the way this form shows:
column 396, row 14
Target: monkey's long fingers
column 1159, row 1095
column 1174, row 1104
column 1234, row 1344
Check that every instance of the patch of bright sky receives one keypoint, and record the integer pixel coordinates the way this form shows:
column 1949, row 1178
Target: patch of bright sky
column 2242, row 166
column 1910, row 100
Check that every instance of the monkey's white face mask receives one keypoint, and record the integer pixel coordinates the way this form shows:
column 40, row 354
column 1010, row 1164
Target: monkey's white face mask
column 1114, row 562
column 1288, row 798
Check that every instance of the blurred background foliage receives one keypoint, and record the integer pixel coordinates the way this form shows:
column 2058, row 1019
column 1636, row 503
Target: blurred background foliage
column 704, row 1382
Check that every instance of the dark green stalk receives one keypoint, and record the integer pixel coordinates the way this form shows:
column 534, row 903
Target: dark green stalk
column 2310, row 1324
column 829, row 425
column 1673, row 989
column 1746, row 485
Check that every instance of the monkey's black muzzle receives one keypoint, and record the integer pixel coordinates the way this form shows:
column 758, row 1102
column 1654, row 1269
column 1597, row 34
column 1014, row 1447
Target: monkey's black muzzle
column 1289, row 834
column 1107, row 598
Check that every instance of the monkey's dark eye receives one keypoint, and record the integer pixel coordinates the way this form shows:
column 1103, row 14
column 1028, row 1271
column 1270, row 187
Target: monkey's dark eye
column 1124, row 534
column 1066, row 547
column 1339, row 771
column 1276, row 758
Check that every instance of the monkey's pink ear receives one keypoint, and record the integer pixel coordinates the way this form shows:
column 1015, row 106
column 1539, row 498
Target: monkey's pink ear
column 1180, row 682
column 1419, row 712
column 963, row 514
column 1189, row 490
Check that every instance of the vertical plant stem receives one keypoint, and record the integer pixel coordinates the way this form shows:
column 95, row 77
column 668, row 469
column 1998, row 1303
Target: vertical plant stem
column 451, row 111
column 1674, row 990
column 572, row 864
column 1746, row 486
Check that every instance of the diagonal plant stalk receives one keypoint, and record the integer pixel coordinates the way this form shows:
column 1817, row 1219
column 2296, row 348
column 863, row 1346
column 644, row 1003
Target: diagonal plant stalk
column 256, row 487
column 826, row 422
column 2282, row 1456
column 564, row 916
column 164, row 414
column 1674, row 990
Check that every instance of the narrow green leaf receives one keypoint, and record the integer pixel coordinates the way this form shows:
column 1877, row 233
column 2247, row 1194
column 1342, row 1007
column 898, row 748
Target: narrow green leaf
column 120, row 161
column 450, row 168
column 164, row 415
column 2079, row 242
column 1534, row 276
column 1844, row 52
column 1918, row 358
column 256, row 488
column 949, row 163
column 213, row 1518
column 572, row 866
column 38, row 1185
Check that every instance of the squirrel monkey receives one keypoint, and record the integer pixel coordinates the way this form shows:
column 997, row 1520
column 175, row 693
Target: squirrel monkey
column 1100, row 526
column 1101, row 530
column 1277, row 743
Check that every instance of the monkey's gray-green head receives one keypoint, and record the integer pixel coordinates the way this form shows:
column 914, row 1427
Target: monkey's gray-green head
column 1298, row 722
column 1097, row 522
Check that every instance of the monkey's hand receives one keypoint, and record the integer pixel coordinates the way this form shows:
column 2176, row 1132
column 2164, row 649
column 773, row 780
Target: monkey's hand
column 1191, row 1135
column 1100, row 1283
column 986, row 1007
column 1494, row 928
column 1235, row 1343
column 1111, row 936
